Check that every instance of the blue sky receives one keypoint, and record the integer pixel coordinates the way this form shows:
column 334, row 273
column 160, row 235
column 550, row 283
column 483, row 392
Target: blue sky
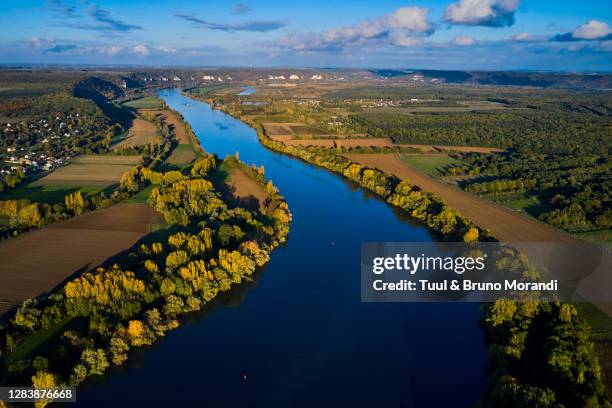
column 450, row 34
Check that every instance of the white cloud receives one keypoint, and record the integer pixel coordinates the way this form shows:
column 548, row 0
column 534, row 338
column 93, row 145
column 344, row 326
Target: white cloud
column 110, row 51
column 592, row 30
column 493, row 13
column 400, row 39
column 166, row 50
column 140, row 50
column 413, row 19
column 463, row 40
column 522, row 37
column 39, row 42
column 403, row 28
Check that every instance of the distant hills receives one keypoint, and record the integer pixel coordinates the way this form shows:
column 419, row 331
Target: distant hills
column 505, row 78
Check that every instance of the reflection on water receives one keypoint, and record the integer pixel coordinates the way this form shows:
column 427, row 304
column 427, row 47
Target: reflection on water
column 298, row 335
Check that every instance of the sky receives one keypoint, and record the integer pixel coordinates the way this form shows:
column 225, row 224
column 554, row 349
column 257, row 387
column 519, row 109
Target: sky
column 560, row 35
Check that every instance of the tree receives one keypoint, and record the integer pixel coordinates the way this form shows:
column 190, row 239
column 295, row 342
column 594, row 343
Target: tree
column 94, row 361
column 118, row 350
column 43, row 379
column 471, row 235
column 75, row 202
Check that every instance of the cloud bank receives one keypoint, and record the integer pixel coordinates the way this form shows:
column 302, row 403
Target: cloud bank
column 405, row 27
column 491, row 13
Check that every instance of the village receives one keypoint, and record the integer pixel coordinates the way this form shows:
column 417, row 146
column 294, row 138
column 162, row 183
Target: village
column 43, row 144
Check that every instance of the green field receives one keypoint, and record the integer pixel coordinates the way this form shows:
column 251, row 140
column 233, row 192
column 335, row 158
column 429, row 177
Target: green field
column 429, row 164
column 182, row 156
column 205, row 90
column 5, row 221
column 521, row 202
column 601, row 236
column 600, row 322
column 141, row 196
column 148, row 102
column 49, row 192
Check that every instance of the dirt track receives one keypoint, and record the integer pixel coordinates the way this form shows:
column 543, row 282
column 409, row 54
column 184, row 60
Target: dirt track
column 507, row 225
column 38, row 261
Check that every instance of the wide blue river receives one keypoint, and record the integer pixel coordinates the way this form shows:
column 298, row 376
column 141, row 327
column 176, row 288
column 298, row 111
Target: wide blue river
column 299, row 335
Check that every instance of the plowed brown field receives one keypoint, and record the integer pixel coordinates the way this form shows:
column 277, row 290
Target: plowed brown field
column 37, row 261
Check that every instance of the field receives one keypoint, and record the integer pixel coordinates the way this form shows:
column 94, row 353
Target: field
column 240, row 189
column 38, row 261
column 331, row 143
column 142, row 132
column 507, row 225
column 51, row 193
column 148, row 102
column 602, row 236
column 463, row 107
column 91, row 170
column 174, row 122
column 277, row 133
column 429, row 163
column 88, row 174
column 185, row 153
column 522, row 202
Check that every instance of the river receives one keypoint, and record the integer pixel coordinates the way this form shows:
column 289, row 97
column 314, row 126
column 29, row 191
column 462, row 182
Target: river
column 299, row 335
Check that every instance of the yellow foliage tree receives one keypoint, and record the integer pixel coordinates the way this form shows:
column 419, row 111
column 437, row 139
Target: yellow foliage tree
column 151, row 266
column 471, row 235
column 135, row 328
column 75, row 202
column 43, row 379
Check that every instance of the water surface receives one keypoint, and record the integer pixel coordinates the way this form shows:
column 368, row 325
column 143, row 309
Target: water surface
column 299, row 335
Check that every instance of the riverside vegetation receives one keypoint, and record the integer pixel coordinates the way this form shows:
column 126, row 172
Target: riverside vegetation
column 94, row 319
column 540, row 354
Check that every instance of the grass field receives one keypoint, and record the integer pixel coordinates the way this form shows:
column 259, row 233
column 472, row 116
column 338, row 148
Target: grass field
column 429, row 164
column 523, row 203
column 4, row 221
column 34, row 343
column 51, row 193
column 602, row 236
column 465, row 106
column 92, row 170
column 182, row 156
column 88, row 174
column 140, row 197
column 142, row 132
column 148, row 102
